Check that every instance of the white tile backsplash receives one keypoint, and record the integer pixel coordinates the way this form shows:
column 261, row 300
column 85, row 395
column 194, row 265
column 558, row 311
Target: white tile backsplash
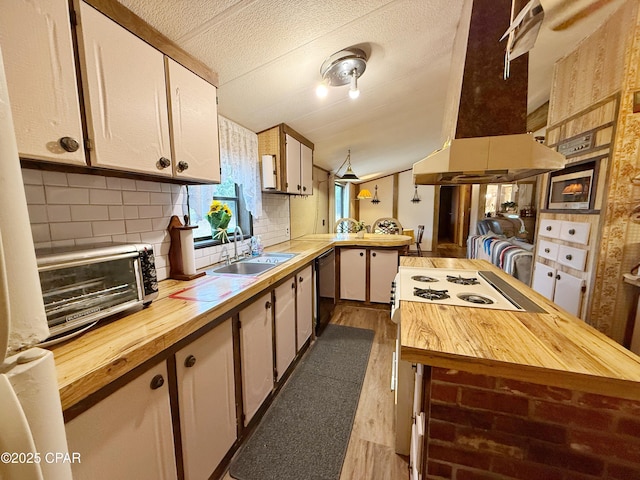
column 67, row 209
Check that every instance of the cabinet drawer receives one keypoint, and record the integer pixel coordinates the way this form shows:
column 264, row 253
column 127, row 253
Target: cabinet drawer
column 548, row 250
column 549, row 228
column 577, row 232
column 572, row 257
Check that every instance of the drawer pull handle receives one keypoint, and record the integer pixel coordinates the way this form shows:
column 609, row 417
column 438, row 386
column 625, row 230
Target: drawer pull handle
column 190, row 361
column 549, row 274
column 548, row 228
column 157, row 382
column 572, row 231
column 569, row 257
column 546, row 250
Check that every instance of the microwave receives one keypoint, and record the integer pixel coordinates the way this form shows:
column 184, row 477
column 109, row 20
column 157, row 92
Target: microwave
column 82, row 285
column 571, row 191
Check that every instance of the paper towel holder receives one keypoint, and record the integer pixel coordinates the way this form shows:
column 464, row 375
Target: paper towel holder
column 176, row 254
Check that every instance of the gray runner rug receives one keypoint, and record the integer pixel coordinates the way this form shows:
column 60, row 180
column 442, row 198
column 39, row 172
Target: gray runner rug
column 305, row 432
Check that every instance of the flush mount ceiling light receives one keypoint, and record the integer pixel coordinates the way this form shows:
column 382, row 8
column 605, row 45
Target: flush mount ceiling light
column 348, row 174
column 342, row 68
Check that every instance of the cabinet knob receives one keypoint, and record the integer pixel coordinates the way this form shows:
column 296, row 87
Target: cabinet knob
column 546, row 250
column 299, row 187
column 300, row 279
column 569, row 257
column 157, row 382
column 163, row 162
column 558, row 277
column 373, row 254
column 267, row 305
column 572, row 231
column 549, row 274
column 190, row 361
column 69, row 144
column 361, row 254
column 304, row 189
column 182, row 166
column 548, row 228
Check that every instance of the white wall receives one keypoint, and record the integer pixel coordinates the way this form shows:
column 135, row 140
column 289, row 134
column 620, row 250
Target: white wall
column 411, row 214
column 370, row 212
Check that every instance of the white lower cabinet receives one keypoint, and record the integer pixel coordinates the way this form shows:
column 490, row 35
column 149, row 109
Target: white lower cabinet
column 560, row 287
column 383, row 266
column 207, row 402
column 353, row 274
column 256, row 353
column 129, row 434
column 417, row 447
column 304, row 306
column 285, row 323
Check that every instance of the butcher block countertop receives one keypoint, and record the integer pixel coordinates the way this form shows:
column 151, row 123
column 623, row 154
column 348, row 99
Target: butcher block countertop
column 552, row 348
column 104, row 354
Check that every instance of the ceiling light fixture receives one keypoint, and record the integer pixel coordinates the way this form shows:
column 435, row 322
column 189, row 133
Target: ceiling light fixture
column 342, row 68
column 363, row 194
column 348, row 174
column 375, row 200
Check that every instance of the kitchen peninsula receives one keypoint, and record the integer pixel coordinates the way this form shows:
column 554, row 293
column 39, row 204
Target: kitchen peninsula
column 511, row 391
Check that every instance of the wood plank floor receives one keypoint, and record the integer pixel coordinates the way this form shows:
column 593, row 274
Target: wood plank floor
column 371, row 454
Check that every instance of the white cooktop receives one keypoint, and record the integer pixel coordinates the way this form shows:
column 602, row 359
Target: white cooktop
column 430, row 281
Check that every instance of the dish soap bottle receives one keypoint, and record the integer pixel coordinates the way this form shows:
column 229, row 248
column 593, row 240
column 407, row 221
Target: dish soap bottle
column 256, row 246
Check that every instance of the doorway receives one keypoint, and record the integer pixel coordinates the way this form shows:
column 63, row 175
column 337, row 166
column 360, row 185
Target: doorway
column 454, row 214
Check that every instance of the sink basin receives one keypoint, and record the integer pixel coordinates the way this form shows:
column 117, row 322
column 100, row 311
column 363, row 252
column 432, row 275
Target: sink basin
column 270, row 258
column 244, row 268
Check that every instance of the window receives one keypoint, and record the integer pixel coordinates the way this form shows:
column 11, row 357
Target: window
column 341, row 205
column 199, row 200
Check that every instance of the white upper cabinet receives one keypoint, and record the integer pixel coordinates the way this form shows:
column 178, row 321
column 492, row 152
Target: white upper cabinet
column 38, row 57
column 293, row 164
column 125, row 97
column 194, row 124
column 306, row 169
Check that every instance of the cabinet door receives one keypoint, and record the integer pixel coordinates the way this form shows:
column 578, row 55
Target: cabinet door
column 207, row 402
column 304, row 306
column 194, row 125
column 285, row 318
column 41, row 77
column 353, row 274
column 306, row 169
column 568, row 292
column 383, row 267
column 125, row 96
column 292, row 152
column 128, row 434
column 256, row 352
column 544, row 280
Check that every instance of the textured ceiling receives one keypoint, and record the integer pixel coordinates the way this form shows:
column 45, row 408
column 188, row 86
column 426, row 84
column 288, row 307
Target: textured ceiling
column 268, row 55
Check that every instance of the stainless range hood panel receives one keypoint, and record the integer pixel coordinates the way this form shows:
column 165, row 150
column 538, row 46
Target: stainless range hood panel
column 497, row 159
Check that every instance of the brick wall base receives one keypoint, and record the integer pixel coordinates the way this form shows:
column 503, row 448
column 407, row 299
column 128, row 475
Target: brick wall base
column 482, row 427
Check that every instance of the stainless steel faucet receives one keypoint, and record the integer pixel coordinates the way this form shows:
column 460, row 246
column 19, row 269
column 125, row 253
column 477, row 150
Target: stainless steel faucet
column 235, row 241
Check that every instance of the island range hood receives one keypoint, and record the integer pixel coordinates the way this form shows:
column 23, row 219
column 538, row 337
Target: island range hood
column 487, row 113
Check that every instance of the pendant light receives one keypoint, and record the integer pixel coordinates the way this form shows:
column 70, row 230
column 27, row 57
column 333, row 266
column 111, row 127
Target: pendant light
column 348, row 174
column 416, row 198
column 375, row 200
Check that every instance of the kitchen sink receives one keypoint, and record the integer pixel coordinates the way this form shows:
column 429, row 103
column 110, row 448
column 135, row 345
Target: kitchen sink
column 272, row 258
column 244, row 268
column 255, row 265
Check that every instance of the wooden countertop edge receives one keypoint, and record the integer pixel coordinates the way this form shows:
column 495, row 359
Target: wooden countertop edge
column 620, row 388
column 120, row 356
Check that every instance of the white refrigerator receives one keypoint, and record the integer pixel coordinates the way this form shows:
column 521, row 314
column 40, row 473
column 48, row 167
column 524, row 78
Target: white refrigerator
column 33, row 443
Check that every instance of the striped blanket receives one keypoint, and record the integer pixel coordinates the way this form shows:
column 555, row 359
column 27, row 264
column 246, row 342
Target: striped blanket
column 510, row 255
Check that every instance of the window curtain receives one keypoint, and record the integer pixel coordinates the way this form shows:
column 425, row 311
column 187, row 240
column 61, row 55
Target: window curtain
column 239, row 162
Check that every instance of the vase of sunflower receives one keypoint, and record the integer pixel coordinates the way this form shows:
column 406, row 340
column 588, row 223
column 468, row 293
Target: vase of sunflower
column 218, row 217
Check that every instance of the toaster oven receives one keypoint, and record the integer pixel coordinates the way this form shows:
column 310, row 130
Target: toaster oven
column 81, row 285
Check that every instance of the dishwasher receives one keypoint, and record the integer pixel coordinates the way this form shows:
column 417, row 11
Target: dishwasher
column 325, row 266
